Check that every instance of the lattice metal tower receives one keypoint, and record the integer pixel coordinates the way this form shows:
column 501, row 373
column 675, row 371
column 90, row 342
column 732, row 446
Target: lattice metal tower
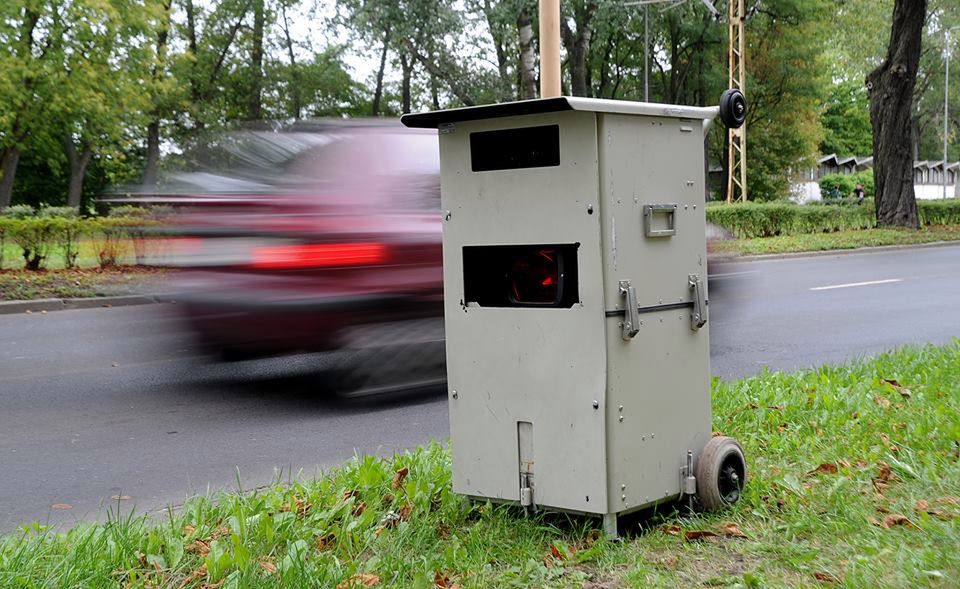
column 736, row 138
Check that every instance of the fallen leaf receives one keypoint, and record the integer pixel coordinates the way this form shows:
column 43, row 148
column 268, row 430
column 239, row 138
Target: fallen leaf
column 947, row 501
column 861, row 464
column 221, row 531
column 443, row 581
column 732, row 530
column 826, row 467
column 359, row 508
column 200, row 547
column 188, row 529
column 443, row 530
column 557, row 553
column 197, row 574
column 881, row 509
column 904, row 391
column 882, row 401
column 874, row 521
column 360, row 580
column 672, row 530
column 694, row 535
column 717, row 434
column 267, row 565
column 387, row 499
column 896, row 519
column 325, row 541
column 825, row 577
column 886, row 440
column 405, row 511
column 61, row 506
column 120, row 497
column 399, row 477
column 782, row 428
column 922, row 505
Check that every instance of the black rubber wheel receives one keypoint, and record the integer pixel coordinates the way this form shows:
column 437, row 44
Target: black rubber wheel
column 721, row 473
column 733, row 108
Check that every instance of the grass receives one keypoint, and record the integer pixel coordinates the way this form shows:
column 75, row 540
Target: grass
column 11, row 256
column 838, row 240
column 854, row 478
column 23, row 285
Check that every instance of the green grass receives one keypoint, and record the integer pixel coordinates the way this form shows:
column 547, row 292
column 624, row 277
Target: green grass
column 11, row 256
column 355, row 523
column 838, row 240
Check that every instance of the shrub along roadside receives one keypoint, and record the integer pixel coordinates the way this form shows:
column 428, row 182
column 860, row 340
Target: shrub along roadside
column 854, row 476
column 39, row 237
column 748, row 220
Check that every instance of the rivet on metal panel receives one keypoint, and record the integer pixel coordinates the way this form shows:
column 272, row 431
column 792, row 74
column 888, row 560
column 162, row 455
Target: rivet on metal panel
column 596, row 404
column 623, row 487
column 685, row 207
column 589, row 209
column 689, row 182
column 623, row 497
column 653, row 436
column 621, row 409
column 621, row 418
column 643, row 438
column 447, row 215
column 694, row 207
column 455, row 395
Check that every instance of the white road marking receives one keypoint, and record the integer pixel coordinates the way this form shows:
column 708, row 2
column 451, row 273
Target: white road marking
column 852, row 284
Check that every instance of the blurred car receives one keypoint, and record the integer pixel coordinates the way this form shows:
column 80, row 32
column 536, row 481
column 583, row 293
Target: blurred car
column 302, row 236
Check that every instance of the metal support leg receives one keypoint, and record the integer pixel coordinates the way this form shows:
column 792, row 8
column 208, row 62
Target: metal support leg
column 610, row 526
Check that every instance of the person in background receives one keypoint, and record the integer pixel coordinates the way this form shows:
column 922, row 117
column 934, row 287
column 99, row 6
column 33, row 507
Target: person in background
column 858, row 192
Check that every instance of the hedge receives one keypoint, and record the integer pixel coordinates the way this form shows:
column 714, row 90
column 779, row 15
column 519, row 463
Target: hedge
column 749, row 220
column 39, row 236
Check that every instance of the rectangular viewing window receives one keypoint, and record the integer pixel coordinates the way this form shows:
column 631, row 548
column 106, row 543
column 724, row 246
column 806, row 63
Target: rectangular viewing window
column 513, row 149
column 521, row 275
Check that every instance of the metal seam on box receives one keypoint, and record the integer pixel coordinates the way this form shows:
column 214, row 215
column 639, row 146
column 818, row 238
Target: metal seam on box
column 653, row 309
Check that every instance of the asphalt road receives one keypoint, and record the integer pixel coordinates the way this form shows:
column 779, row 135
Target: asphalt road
column 117, row 403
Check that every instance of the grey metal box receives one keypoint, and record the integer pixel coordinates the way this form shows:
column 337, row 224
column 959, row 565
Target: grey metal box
column 566, row 407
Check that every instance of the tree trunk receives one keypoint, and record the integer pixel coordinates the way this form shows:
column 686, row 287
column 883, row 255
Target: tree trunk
column 891, row 104
column 406, row 68
column 153, row 153
column 78, row 169
column 296, row 108
column 578, row 47
column 9, row 158
column 528, row 58
column 378, row 93
column 255, row 103
column 497, row 35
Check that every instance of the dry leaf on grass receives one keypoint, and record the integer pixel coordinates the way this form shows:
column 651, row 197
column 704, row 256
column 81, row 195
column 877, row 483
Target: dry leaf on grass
column 825, row 577
column 399, row 477
column 443, row 581
column 120, row 497
column 405, row 511
column 672, row 530
column 826, row 467
column 882, row 401
column 904, row 391
column 195, row 575
column 359, row 508
column 947, row 501
column 200, row 547
column 188, row 530
column 325, row 541
column 894, row 519
column 696, row 535
column 732, row 530
column 360, row 580
column 61, row 506
column 443, row 530
column 557, row 553
column 267, row 565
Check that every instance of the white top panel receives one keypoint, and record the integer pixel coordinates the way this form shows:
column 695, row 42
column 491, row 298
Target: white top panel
column 433, row 119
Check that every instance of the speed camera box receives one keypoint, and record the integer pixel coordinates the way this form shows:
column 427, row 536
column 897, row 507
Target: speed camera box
column 575, row 300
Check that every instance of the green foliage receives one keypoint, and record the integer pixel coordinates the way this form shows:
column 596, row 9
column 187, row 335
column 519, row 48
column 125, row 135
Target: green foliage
column 19, row 212
column 846, row 121
column 939, row 212
column 746, row 220
column 841, row 186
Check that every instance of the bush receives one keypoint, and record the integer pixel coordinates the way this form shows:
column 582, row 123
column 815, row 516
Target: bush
column 19, row 212
column 939, row 212
column 840, row 186
column 746, row 220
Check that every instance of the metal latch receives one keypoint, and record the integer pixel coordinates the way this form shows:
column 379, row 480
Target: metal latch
column 698, row 318
column 631, row 316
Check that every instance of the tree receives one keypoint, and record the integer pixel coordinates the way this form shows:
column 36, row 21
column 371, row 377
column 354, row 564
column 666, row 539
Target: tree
column 891, row 88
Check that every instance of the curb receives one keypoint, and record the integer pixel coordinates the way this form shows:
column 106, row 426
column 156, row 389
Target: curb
column 45, row 305
column 844, row 252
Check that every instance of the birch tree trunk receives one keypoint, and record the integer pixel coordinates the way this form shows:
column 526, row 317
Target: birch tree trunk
column 528, row 58
column 378, row 93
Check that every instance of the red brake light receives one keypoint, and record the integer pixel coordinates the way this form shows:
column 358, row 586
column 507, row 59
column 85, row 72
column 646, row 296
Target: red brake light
column 318, row 255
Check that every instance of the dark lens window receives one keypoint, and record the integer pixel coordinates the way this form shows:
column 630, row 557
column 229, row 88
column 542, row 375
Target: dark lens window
column 521, row 275
column 512, row 149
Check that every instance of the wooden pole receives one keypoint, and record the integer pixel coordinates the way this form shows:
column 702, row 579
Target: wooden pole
column 549, row 48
